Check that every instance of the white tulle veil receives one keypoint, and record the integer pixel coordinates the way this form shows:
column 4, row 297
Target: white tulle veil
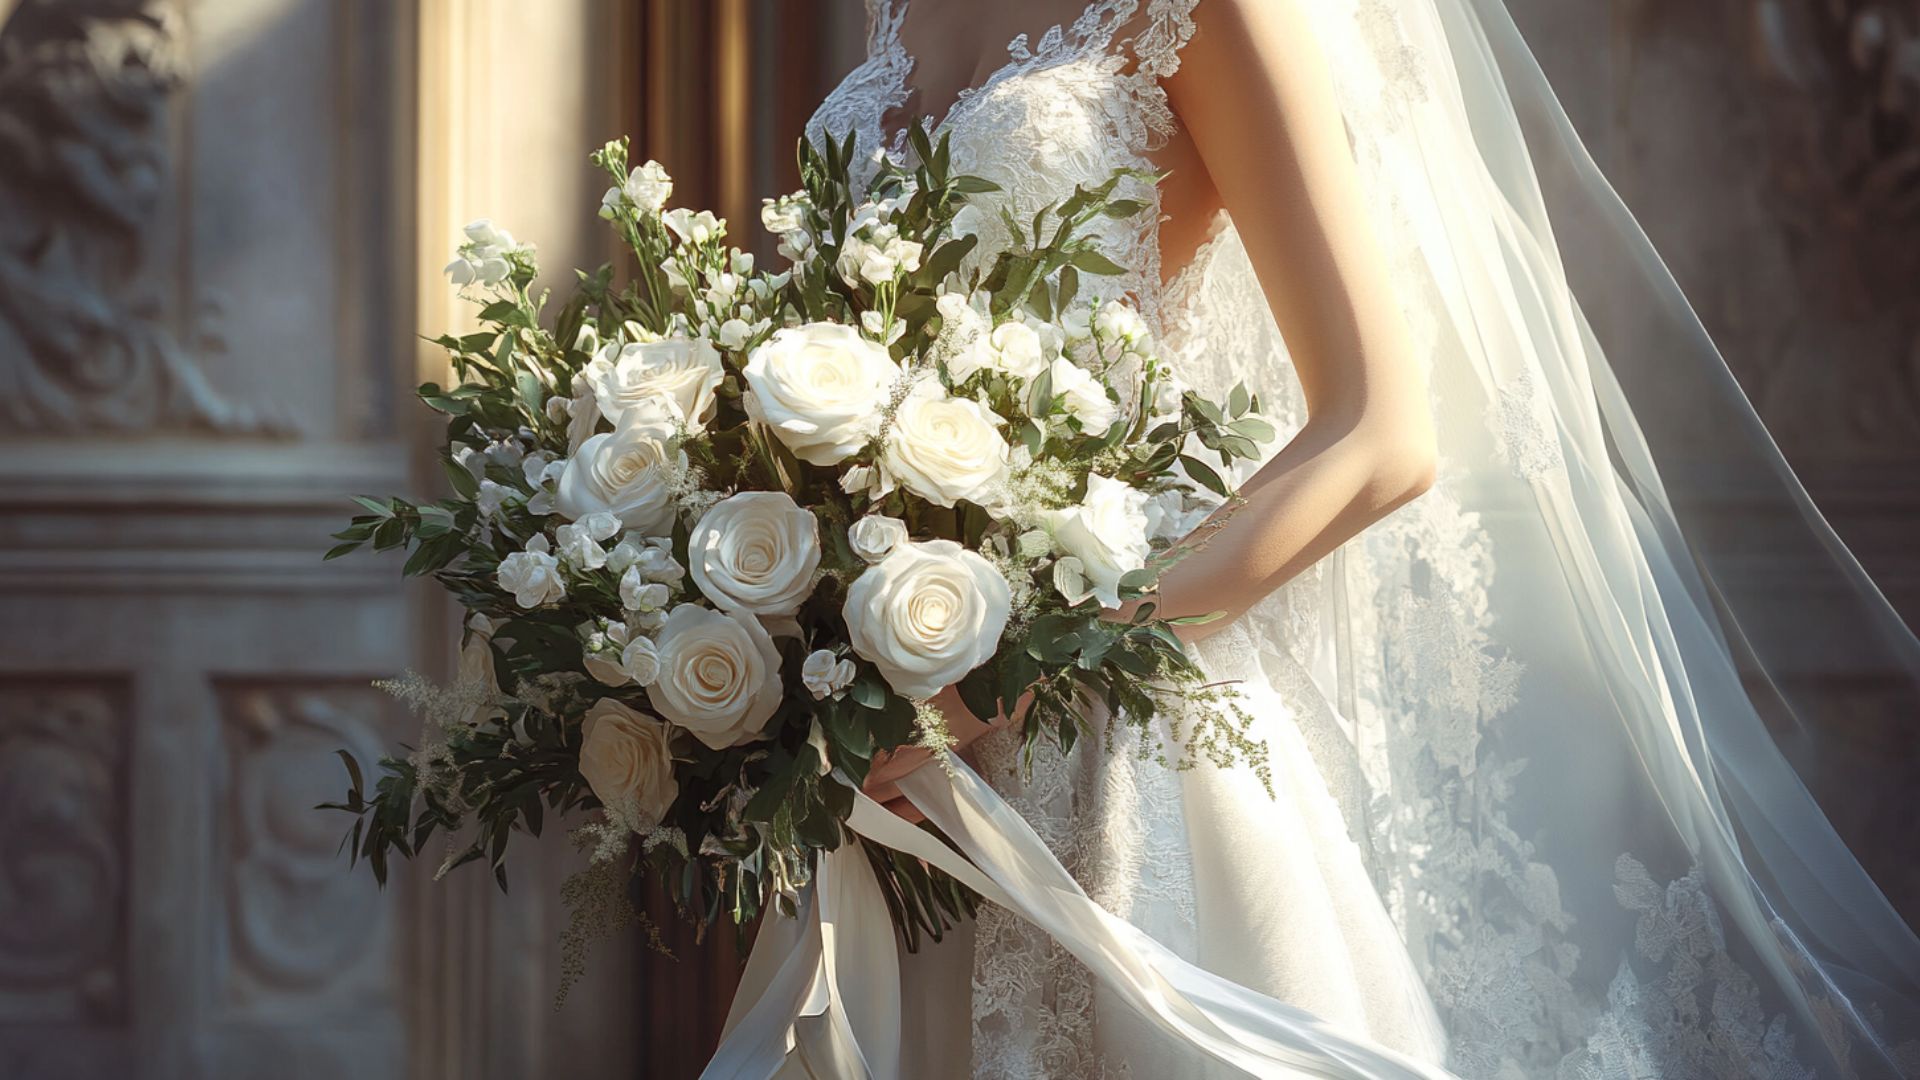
column 1567, row 735
column 1678, row 902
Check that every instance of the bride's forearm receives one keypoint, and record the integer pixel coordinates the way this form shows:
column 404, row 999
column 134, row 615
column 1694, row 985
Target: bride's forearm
column 1332, row 481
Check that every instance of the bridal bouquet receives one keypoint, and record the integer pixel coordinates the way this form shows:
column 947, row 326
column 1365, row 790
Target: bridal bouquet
column 724, row 534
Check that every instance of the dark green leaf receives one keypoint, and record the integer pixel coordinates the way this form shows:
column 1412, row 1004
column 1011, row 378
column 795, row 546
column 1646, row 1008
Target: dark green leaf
column 1093, row 262
column 1203, row 474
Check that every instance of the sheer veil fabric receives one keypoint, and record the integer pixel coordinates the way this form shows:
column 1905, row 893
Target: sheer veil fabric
column 1534, row 804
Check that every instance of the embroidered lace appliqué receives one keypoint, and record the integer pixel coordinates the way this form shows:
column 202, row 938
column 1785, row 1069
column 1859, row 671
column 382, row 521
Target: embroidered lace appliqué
column 1527, row 441
column 1697, row 1013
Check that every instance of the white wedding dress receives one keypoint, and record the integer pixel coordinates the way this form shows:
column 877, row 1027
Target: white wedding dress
column 1527, row 820
column 1301, row 919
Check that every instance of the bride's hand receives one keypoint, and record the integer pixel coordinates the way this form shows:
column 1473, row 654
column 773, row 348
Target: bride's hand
column 889, row 767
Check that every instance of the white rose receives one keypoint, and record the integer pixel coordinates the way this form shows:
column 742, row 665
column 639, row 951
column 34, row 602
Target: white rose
column 640, row 661
column 926, row 615
column 943, row 448
column 873, row 536
column 821, row 388
column 625, row 759
column 1084, row 397
column 756, row 552
column 648, row 187
column 685, row 371
column 1107, row 532
column 533, row 575
column 626, row 473
column 824, row 674
column 719, row 675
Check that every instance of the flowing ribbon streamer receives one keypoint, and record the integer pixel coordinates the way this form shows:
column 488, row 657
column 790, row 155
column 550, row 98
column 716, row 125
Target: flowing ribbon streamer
column 820, row 995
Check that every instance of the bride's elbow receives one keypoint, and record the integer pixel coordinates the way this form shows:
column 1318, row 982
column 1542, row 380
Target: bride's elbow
column 1403, row 468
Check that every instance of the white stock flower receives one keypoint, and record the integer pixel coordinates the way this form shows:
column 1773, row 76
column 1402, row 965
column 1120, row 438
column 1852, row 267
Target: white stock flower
column 625, row 759
column 658, row 564
column 694, row 228
column 878, row 257
column 685, row 371
column 648, row 187
column 1012, row 348
column 785, row 214
column 580, row 540
column 733, row 334
column 719, row 675
column 820, row 387
column 825, row 675
column 640, row 661
column 926, row 615
column 944, row 448
column 1084, row 397
column 873, row 536
column 756, row 552
column 532, row 575
column 640, row 595
column 600, row 652
column 1107, row 533
column 491, row 497
column 626, row 473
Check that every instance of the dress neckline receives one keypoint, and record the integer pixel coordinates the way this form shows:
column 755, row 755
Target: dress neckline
column 1083, row 32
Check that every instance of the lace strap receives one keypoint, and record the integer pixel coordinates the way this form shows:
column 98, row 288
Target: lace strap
column 883, row 24
column 1165, row 29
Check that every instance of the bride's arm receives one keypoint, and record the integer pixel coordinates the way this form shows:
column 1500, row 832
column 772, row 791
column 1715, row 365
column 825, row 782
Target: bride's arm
column 1258, row 101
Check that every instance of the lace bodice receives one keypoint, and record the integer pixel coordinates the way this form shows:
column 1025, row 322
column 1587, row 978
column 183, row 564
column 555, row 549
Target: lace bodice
column 1082, row 101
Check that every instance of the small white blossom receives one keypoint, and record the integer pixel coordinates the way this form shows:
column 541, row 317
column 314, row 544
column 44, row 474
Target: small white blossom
column 491, row 498
column 657, row 563
column 826, row 675
column 694, row 227
column 1083, row 396
column 734, row 334
column 532, row 576
column 648, row 187
column 638, row 594
column 640, row 661
column 1119, row 322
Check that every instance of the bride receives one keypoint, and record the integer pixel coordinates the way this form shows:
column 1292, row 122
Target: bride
column 1529, row 815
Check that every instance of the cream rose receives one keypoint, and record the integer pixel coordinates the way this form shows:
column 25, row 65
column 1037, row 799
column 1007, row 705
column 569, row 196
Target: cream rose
column 626, row 473
column 1107, row 533
column 821, row 388
column 943, row 448
column 625, row 759
column 926, row 615
column 719, row 675
column 685, row 371
column 873, row 536
column 756, row 552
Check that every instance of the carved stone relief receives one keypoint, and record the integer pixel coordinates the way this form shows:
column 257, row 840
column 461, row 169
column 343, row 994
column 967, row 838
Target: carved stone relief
column 85, row 343
column 298, row 923
column 63, row 852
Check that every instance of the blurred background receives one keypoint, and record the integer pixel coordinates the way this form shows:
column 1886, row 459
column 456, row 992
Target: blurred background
column 222, row 224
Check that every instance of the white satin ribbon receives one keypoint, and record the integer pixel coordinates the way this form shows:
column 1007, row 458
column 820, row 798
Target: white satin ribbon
column 820, row 994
